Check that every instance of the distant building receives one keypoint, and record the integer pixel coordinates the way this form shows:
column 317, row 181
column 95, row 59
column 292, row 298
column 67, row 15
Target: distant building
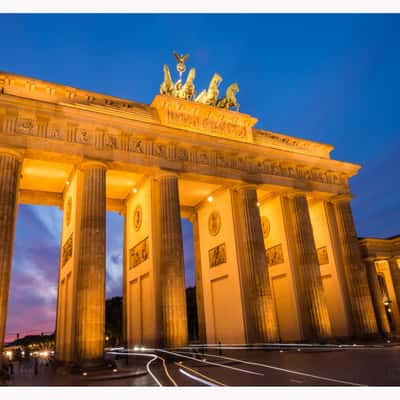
column 382, row 259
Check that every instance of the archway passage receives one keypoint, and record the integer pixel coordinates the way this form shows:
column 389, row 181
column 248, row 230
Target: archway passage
column 114, row 262
column 33, row 287
column 190, row 280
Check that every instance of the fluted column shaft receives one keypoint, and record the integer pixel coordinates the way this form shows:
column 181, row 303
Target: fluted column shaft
column 172, row 276
column 363, row 316
column 381, row 317
column 313, row 308
column 261, row 323
column 90, row 295
column 10, row 166
column 395, row 273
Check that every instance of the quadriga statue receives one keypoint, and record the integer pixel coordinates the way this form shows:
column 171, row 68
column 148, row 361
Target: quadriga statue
column 210, row 96
column 229, row 100
column 187, row 90
column 167, row 87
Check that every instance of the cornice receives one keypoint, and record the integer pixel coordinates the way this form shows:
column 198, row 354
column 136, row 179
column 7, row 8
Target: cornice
column 106, row 106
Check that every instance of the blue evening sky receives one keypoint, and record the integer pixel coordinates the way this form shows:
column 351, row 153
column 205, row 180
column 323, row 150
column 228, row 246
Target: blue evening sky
column 329, row 78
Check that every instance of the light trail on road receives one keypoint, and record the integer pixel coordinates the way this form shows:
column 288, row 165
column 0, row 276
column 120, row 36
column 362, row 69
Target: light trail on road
column 246, row 371
column 149, row 370
column 195, row 378
column 285, row 370
column 167, row 372
column 200, row 374
column 154, row 357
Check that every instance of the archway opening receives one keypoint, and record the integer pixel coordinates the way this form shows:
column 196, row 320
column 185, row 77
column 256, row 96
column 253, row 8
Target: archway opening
column 190, row 280
column 114, row 268
column 32, row 301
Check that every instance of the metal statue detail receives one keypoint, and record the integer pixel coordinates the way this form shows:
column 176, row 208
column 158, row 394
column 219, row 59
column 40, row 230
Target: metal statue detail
column 167, row 87
column 187, row 91
column 210, row 96
column 229, row 100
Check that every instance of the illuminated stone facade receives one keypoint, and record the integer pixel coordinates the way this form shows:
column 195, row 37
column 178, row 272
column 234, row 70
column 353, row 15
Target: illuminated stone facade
column 382, row 259
column 276, row 254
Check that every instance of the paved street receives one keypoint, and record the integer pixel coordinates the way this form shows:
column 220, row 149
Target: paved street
column 285, row 366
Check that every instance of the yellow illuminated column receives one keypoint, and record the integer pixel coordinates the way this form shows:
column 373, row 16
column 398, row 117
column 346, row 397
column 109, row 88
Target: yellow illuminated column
column 306, row 270
column 90, row 292
column 377, row 298
column 363, row 316
column 10, row 166
column 394, row 265
column 259, row 312
column 171, row 275
column 199, row 280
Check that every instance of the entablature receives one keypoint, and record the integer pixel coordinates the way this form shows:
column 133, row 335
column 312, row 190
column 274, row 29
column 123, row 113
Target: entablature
column 380, row 248
column 113, row 134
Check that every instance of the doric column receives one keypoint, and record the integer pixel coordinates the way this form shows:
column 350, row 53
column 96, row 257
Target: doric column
column 364, row 321
column 306, row 270
column 259, row 311
column 395, row 273
column 172, row 276
column 377, row 299
column 90, row 292
column 199, row 280
column 10, row 166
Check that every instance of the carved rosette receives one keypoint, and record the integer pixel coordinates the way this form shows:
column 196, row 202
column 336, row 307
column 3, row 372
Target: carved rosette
column 266, row 226
column 214, row 223
column 137, row 218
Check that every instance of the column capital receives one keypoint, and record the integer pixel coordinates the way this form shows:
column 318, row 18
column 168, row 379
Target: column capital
column 343, row 197
column 292, row 194
column 395, row 260
column 87, row 164
column 12, row 152
column 165, row 173
column 370, row 259
column 245, row 186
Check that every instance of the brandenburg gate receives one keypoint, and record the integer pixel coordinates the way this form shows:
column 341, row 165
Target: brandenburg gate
column 276, row 252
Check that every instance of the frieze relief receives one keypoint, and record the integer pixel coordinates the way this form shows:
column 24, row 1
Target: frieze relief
column 217, row 255
column 139, row 253
column 25, row 127
column 322, row 254
column 274, row 255
column 55, row 132
column 67, row 250
column 110, row 141
column 136, row 145
column 181, row 154
column 82, row 136
column 150, row 147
